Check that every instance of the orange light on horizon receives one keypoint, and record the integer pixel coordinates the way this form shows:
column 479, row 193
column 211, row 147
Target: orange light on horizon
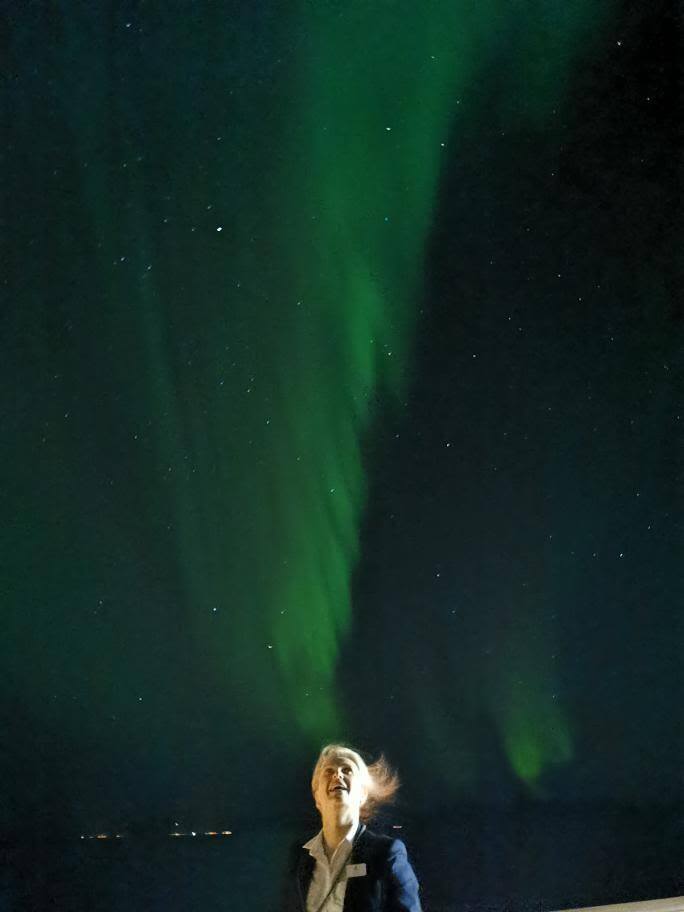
column 176, row 834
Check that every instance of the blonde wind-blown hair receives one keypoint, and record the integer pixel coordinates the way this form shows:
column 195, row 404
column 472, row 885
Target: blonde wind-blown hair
column 379, row 779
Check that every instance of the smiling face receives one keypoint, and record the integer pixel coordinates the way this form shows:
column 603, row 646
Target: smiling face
column 339, row 784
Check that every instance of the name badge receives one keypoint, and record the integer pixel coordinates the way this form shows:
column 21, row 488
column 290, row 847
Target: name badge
column 356, row 870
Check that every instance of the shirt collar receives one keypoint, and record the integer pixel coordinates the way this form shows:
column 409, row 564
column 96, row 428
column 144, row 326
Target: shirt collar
column 316, row 847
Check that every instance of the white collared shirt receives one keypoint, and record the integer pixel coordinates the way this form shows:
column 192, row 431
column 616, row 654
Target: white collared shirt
column 325, row 873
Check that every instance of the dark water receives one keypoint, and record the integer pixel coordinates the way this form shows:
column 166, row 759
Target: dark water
column 532, row 859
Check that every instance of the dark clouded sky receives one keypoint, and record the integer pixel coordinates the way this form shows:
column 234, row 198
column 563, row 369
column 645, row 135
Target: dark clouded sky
column 340, row 361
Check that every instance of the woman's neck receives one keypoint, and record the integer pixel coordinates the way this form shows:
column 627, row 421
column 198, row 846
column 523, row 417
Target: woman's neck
column 335, row 829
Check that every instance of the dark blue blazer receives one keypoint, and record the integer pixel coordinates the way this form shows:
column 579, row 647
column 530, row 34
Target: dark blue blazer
column 389, row 884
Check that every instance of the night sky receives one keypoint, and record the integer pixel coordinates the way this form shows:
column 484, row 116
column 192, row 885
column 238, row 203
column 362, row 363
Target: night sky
column 342, row 373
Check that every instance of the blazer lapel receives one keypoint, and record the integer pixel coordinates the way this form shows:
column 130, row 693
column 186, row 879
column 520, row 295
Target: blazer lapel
column 305, row 871
column 355, row 885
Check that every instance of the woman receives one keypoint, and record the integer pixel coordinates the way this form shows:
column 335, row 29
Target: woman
column 346, row 867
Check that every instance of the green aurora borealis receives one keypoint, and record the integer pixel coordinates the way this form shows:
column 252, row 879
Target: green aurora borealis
column 329, row 276
column 238, row 206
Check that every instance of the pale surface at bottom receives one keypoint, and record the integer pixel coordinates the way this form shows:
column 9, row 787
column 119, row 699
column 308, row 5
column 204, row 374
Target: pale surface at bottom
column 674, row 904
